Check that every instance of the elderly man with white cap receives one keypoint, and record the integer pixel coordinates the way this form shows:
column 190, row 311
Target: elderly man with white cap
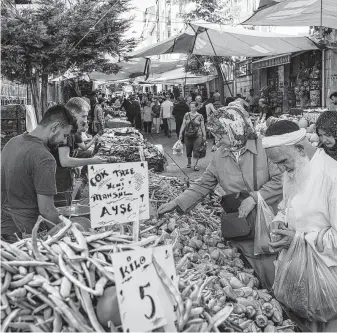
column 305, row 228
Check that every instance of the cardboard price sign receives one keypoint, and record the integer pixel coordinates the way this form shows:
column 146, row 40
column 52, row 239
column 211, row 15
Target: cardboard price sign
column 144, row 302
column 117, row 191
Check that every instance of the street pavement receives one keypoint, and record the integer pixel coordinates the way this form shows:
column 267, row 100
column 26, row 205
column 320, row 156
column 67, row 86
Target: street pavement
column 176, row 165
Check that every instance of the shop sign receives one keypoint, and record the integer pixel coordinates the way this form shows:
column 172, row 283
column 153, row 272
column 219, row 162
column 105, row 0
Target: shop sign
column 271, row 62
column 119, row 193
column 144, row 302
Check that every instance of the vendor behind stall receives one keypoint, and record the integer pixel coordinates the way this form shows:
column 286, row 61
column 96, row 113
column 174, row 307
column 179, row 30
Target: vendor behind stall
column 232, row 167
column 306, row 225
column 64, row 154
column 28, row 174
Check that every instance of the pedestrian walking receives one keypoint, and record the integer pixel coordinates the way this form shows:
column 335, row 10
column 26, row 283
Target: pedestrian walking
column 166, row 114
column 98, row 123
column 147, row 117
column 156, row 115
column 179, row 111
column 193, row 134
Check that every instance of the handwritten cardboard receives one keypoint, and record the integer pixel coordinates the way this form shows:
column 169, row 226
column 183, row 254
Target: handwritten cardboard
column 115, row 190
column 138, row 286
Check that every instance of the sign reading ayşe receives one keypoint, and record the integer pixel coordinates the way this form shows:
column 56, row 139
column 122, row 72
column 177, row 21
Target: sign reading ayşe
column 144, row 302
column 117, row 191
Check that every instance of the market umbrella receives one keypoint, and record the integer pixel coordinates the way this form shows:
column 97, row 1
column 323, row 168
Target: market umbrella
column 135, row 68
column 212, row 39
column 295, row 13
column 179, row 76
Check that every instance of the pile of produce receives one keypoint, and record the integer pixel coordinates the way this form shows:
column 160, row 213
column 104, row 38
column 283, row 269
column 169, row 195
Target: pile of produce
column 128, row 145
column 65, row 282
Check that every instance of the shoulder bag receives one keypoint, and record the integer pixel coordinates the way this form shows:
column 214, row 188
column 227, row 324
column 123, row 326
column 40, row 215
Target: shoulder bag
column 233, row 227
column 191, row 131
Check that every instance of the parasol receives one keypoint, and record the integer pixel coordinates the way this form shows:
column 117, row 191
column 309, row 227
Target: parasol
column 295, row 13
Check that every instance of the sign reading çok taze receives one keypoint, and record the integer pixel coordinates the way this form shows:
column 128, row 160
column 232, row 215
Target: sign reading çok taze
column 117, row 191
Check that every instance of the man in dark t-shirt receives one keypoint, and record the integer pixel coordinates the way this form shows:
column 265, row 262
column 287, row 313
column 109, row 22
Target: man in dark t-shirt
column 64, row 154
column 28, row 174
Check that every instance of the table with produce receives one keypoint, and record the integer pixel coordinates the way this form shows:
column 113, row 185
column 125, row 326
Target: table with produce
column 66, row 281
column 128, row 145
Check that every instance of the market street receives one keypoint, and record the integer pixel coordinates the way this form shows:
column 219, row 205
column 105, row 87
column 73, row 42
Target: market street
column 168, row 166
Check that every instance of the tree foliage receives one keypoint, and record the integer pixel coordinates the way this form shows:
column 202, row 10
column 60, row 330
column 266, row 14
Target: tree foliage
column 207, row 10
column 44, row 39
column 212, row 11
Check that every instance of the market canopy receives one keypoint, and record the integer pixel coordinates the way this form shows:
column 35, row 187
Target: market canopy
column 295, row 13
column 135, row 68
column 179, row 76
column 213, row 39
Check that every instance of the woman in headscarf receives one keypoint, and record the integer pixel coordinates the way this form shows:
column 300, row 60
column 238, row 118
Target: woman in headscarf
column 326, row 128
column 232, row 167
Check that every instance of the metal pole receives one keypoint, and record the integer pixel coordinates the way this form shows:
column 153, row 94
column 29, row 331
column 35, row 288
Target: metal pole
column 222, row 72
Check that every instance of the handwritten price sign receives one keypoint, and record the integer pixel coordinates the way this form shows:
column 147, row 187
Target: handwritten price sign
column 117, row 191
column 144, row 302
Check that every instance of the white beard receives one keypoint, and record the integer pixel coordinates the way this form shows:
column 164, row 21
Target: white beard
column 294, row 182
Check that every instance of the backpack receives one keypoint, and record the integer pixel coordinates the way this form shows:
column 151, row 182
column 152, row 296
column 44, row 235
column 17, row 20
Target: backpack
column 191, row 130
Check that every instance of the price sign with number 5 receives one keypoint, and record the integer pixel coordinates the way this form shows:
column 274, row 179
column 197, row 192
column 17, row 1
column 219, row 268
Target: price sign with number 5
column 138, row 287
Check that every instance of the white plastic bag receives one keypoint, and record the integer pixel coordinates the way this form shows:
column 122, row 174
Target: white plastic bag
column 264, row 217
column 304, row 283
column 178, row 148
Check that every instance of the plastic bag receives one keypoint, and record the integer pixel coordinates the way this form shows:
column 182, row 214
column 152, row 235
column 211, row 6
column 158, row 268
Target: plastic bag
column 200, row 152
column 264, row 217
column 178, row 148
column 304, row 283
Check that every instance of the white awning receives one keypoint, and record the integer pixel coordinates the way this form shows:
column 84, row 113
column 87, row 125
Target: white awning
column 296, row 13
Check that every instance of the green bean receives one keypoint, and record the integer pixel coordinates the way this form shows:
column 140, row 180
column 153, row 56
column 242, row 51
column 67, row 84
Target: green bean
column 8, row 319
column 6, row 283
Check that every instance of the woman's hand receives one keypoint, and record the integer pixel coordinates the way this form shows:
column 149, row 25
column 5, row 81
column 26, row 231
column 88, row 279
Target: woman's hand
column 246, row 207
column 167, row 208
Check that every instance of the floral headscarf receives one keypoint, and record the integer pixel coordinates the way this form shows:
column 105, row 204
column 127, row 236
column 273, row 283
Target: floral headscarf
column 231, row 121
column 327, row 122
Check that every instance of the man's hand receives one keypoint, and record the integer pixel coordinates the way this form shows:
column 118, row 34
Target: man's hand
column 275, row 225
column 166, row 208
column 246, row 207
column 287, row 238
column 319, row 240
column 98, row 160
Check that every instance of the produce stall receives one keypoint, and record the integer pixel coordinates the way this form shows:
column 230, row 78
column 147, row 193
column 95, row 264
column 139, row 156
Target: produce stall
column 128, row 145
column 66, row 282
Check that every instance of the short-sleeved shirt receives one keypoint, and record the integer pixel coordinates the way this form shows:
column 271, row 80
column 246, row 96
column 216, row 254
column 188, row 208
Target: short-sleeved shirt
column 166, row 106
column 27, row 169
column 156, row 110
column 72, row 143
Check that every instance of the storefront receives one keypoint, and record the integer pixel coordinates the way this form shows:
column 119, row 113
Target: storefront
column 290, row 81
